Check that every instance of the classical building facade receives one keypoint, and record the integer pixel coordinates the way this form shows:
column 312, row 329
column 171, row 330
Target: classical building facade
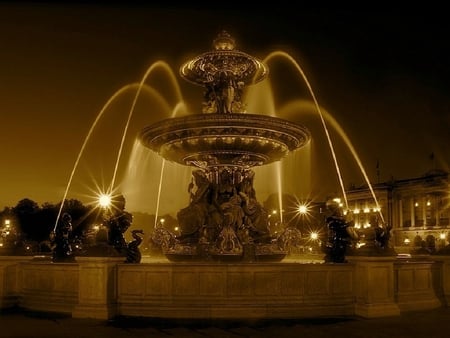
column 418, row 209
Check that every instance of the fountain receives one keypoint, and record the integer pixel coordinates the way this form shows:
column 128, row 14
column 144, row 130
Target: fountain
column 223, row 220
column 223, row 146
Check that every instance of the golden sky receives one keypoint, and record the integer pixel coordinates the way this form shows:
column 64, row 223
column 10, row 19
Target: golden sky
column 382, row 75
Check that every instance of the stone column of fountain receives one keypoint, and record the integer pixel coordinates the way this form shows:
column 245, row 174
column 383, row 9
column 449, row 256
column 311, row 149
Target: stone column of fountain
column 223, row 143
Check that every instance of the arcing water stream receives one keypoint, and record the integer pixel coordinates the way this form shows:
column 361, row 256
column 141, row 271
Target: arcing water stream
column 180, row 105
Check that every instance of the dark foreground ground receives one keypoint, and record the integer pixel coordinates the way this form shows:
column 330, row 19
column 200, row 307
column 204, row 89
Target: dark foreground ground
column 433, row 323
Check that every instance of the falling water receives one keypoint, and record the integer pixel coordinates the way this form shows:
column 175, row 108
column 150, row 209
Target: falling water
column 91, row 130
column 279, row 185
column 346, row 139
column 180, row 105
column 175, row 85
column 290, row 58
column 140, row 87
column 260, row 99
column 152, row 186
column 163, row 164
column 158, row 198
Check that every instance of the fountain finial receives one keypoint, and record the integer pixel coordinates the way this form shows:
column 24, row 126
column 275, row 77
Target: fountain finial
column 224, row 59
column 224, row 72
column 224, row 41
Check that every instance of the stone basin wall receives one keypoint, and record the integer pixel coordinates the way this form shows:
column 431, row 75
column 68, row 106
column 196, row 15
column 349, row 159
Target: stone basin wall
column 103, row 288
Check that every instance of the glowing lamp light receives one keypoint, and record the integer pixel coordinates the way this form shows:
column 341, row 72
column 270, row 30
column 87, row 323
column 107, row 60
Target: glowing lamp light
column 406, row 241
column 274, row 212
column 104, row 200
column 7, row 222
column 314, row 235
column 302, row 209
column 442, row 235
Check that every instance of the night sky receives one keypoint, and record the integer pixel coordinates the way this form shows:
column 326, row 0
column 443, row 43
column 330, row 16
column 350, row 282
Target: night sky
column 383, row 75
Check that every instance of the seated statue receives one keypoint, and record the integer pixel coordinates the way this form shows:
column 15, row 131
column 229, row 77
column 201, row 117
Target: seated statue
column 383, row 235
column 227, row 201
column 192, row 218
column 256, row 218
column 62, row 251
column 341, row 235
column 117, row 220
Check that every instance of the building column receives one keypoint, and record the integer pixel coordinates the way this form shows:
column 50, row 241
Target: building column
column 424, row 210
column 436, row 204
column 413, row 211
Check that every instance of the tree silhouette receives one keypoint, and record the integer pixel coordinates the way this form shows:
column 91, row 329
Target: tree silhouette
column 25, row 211
column 37, row 222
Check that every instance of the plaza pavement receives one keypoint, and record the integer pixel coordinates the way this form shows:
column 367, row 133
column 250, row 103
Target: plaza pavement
column 431, row 324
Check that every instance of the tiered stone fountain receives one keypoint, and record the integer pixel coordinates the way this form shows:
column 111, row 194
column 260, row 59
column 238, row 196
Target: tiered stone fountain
column 224, row 220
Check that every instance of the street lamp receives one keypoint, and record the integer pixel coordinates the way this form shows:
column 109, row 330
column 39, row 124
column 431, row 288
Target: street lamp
column 302, row 209
column 104, row 200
